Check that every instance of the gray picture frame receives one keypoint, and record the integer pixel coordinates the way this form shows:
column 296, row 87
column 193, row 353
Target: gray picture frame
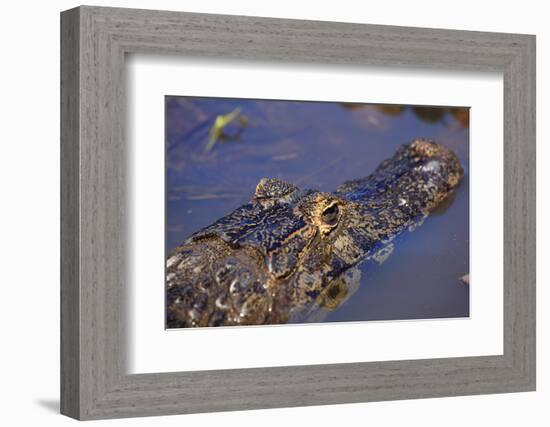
column 94, row 41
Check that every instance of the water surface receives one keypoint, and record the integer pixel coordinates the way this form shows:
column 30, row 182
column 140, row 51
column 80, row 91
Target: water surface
column 320, row 145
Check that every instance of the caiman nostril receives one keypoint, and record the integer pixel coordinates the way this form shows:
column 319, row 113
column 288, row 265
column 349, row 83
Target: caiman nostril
column 425, row 148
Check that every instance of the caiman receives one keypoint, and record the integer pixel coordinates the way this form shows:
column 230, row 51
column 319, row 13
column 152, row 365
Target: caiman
column 289, row 252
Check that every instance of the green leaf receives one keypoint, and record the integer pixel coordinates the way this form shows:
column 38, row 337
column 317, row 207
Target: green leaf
column 216, row 131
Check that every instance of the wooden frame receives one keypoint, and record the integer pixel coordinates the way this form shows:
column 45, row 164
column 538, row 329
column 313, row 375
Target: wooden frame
column 94, row 42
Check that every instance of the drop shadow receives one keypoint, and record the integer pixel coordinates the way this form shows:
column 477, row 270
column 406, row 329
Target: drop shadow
column 51, row 405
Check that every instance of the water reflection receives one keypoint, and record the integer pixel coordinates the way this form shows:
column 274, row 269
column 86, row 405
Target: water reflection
column 320, row 145
column 426, row 114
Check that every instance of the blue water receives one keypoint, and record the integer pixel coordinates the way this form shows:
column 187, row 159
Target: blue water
column 319, row 145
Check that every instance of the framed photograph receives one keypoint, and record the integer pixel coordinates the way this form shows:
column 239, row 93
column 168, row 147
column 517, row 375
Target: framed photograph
column 248, row 249
column 262, row 213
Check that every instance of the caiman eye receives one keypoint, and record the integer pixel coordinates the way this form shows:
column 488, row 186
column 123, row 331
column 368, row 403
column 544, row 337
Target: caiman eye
column 330, row 215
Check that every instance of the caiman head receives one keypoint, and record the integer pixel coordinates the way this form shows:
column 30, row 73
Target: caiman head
column 289, row 249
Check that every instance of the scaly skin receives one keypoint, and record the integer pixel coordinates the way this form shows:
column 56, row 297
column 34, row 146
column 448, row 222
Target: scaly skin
column 290, row 252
